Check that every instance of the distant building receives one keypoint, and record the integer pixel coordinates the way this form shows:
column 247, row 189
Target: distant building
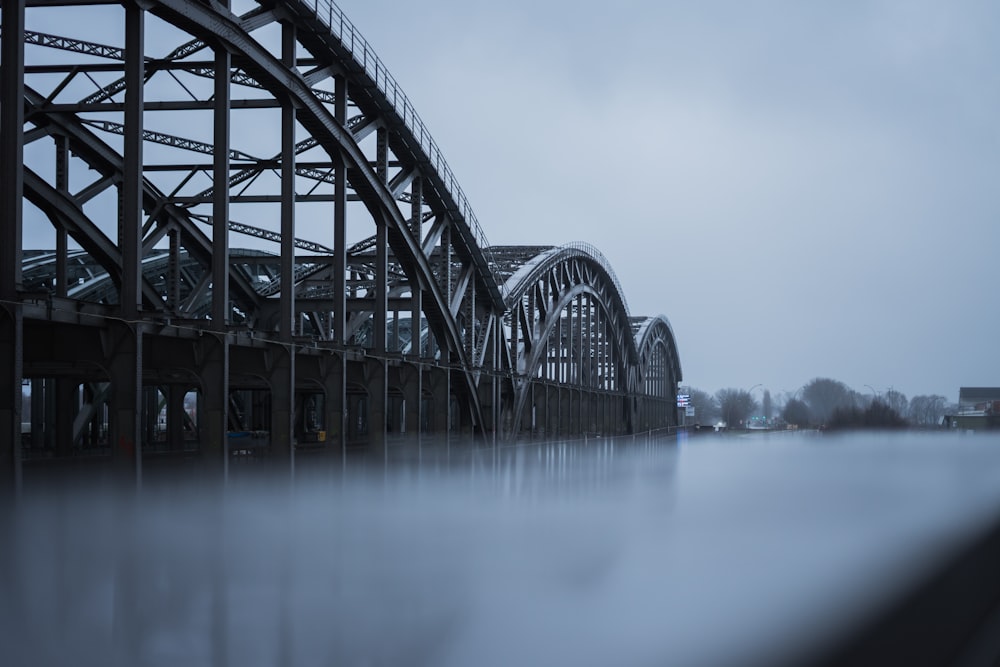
column 978, row 409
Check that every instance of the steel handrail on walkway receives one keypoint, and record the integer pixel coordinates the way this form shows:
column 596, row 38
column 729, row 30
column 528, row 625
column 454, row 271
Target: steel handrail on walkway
column 603, row 261
column 341, row 27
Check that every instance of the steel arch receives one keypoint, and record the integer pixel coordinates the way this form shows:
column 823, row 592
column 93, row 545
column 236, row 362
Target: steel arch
column 652, row 333
column 659, row 370
column 442, row 269
column 418, row 304
column 559, row 301
column 370, row 182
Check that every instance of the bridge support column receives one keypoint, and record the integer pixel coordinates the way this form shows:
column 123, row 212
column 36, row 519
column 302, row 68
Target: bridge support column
column 36, row 408
column 412, row 383
column 552, row 396
column 597, row 412
column 578, row 357
column 125, row 366
column 11, row 203
column 538, row 412
column 282, row 355
column 213, row 422
column 65, row 411
column 597, row 401
column 62, row 238
column 213, row 418
column 493, row 369
column 614, row 413
column 594, row 410
column 565, row 411
column 130, row 212
column 551, row 410
column 559, row 416
column 622, row 415
column 11, row 360
column 335, row 388
column 606, row 408
column 149, row 403
column 282, row 381
column 529, row 414
column 336, row 381
column 175, row 417
column 581, row 414
column 440, row 386
column 545, row 411
column 377, row 382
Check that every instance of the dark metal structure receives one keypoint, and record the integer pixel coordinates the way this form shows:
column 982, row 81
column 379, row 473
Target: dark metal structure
column 250, row 237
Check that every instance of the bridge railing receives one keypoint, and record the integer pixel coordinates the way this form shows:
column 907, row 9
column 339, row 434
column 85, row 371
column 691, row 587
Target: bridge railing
column 603, row 261
column 331, row 15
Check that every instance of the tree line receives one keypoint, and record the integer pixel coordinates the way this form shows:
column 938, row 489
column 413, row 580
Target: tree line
column 820, row 403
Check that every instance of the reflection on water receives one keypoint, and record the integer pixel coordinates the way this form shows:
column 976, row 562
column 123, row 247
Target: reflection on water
column 708, row 551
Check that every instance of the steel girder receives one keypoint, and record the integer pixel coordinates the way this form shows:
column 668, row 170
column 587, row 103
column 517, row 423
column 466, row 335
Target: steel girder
column 63, row 206
column 213, row 22
column 338, row 141
column 539, row 307
column 655, row 337
column 567, row 322
column 447, row 267
column 659, row 364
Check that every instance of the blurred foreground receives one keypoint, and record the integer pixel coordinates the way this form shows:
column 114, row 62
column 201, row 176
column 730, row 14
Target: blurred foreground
column 760, row 550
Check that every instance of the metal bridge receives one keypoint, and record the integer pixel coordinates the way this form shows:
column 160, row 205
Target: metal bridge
column 232, row 230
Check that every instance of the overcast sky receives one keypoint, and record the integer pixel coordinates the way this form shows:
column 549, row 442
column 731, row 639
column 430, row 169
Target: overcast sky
column 804, row 189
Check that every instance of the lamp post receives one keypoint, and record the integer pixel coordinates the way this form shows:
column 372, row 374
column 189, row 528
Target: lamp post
column 874, row 393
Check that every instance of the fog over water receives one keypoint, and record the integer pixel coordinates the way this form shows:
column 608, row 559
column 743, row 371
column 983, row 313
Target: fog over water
column 705, row 551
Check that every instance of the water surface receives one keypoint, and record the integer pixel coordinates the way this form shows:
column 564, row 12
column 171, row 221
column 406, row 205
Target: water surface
column 706, row 551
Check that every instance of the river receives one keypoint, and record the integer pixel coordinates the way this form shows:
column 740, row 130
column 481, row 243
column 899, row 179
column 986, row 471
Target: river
column 765, row 549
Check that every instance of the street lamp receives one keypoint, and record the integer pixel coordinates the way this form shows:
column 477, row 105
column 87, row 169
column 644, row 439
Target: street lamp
column 874, row 393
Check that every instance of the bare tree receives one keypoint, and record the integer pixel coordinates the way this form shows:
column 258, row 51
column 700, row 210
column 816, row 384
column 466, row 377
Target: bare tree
column 897, row 401
column 860, row 399
column 796, row 412
column 824, row 396
column 927, row 410
column 736, row 405
column 706, row 408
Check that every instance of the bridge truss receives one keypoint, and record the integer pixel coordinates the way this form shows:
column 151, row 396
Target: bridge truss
column 247, row 229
